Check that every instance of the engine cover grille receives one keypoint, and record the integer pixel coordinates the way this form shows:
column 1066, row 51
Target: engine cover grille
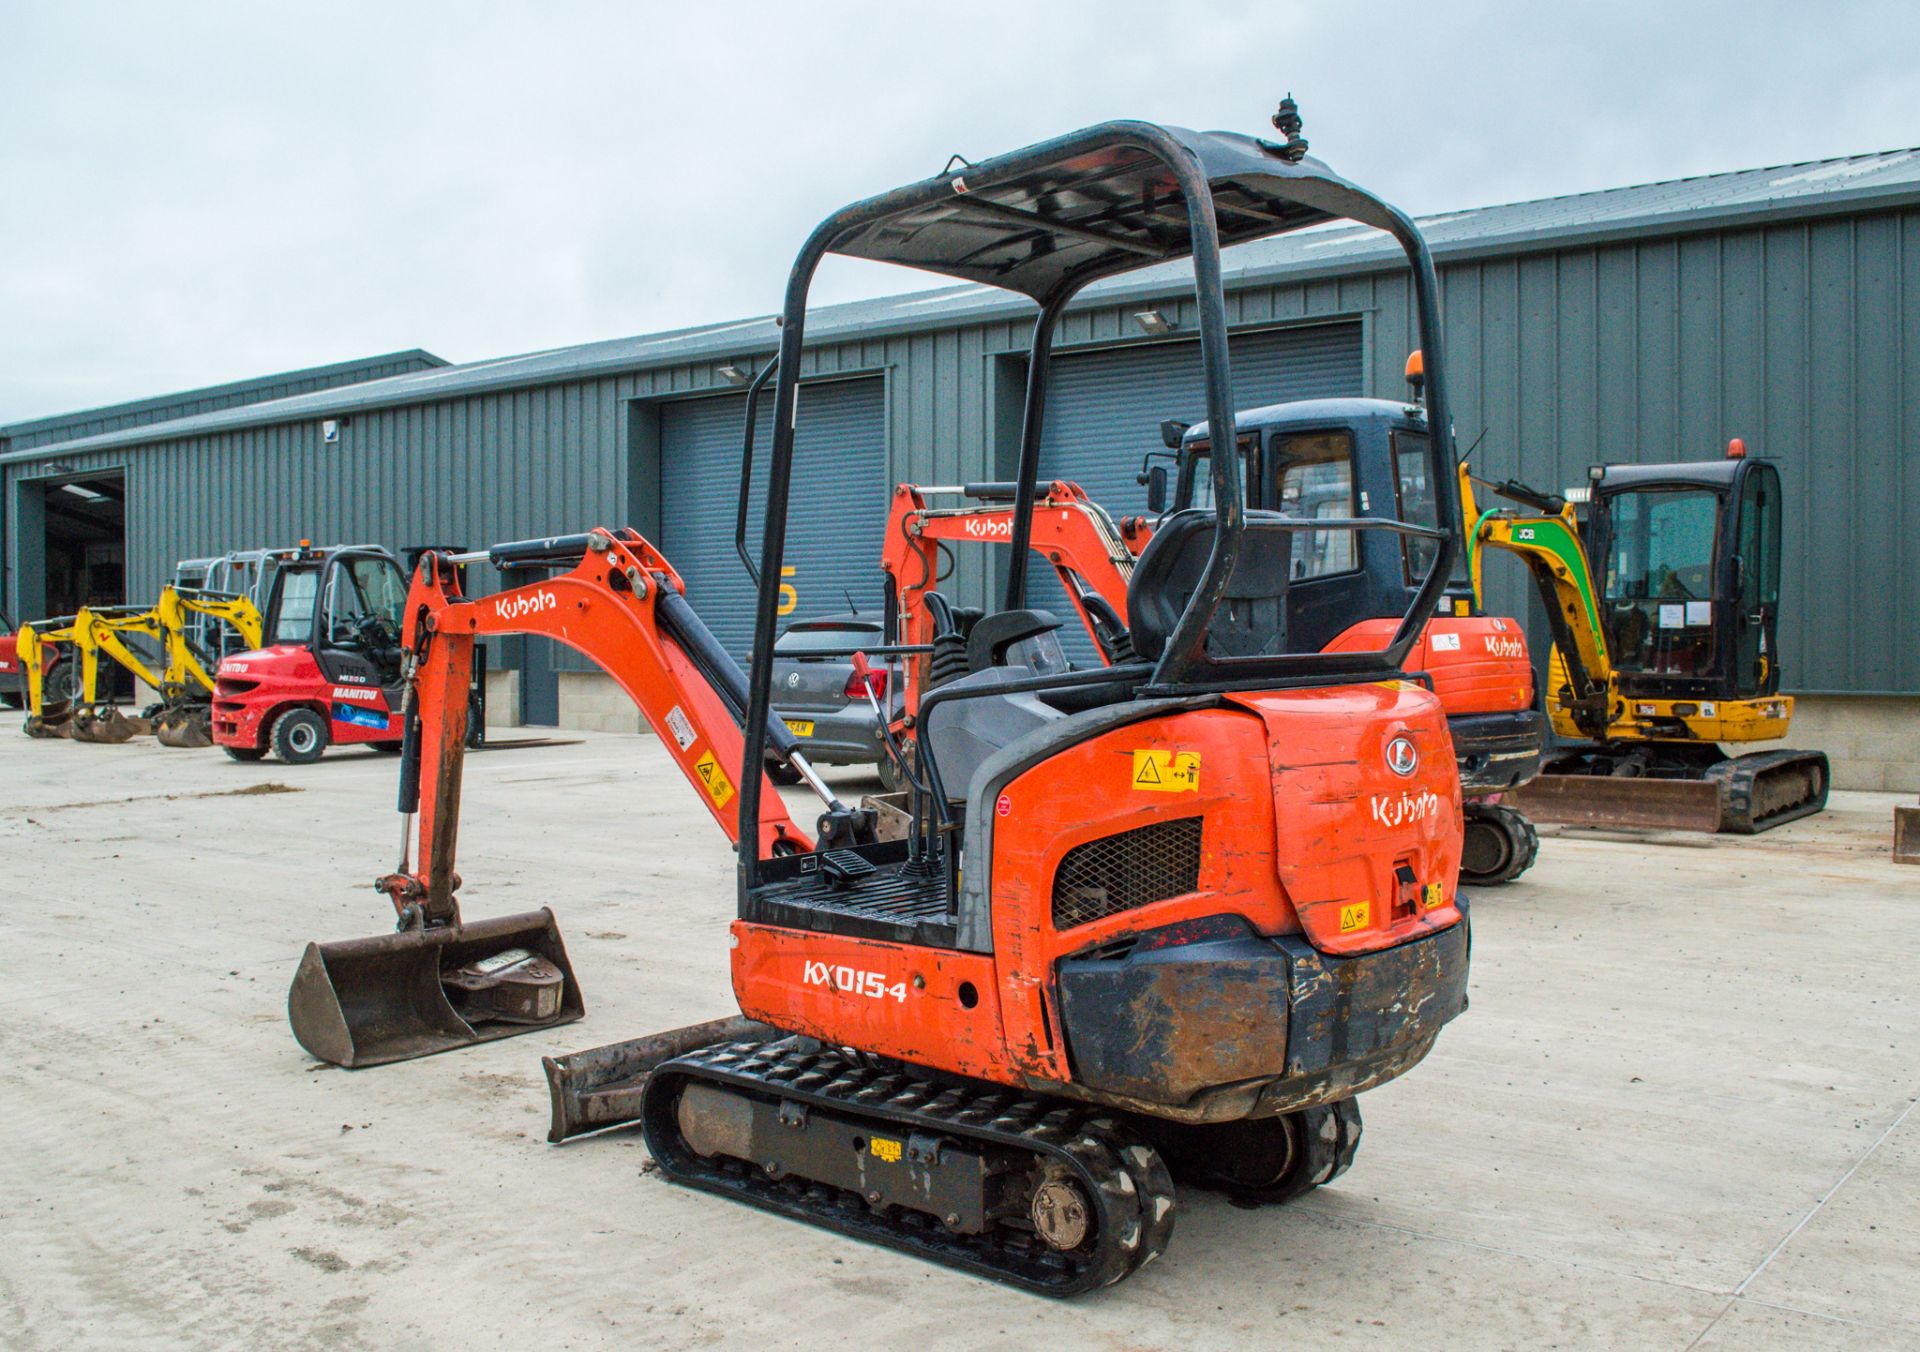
column 1127, row 870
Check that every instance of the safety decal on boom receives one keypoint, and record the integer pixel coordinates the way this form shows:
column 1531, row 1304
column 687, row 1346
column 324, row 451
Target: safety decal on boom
column 680, row 726
column 1167, row 771
column 713, row 779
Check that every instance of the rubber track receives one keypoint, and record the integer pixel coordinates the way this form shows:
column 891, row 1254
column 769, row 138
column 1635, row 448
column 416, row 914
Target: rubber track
column 1739, row 780
column 1126, row 1182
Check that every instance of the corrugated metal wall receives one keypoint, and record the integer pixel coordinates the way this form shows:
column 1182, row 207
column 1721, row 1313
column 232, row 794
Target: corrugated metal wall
column 1801, row 337
column 47, row 431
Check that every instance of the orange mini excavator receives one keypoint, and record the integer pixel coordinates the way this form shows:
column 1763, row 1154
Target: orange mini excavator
column 1164, row 918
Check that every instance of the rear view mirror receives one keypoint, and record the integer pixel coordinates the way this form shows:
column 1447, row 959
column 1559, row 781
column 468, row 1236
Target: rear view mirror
column 1157, row 489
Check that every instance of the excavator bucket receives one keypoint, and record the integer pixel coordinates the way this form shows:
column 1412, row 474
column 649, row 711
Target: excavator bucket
column 190, row 726
column 368, row 1002
column 55, row 719
column 105, row 723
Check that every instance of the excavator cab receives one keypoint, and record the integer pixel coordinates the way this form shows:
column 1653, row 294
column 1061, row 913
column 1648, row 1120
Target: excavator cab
column 1689, row 564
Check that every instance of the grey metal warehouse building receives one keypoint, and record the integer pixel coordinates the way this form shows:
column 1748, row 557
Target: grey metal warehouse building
column 1646, row 323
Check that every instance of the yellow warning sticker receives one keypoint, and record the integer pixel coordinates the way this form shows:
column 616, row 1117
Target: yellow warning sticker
column 713, row 778
column 1431, row 895
column 884, row 1149
column 1167, row 771
column 1354, row 916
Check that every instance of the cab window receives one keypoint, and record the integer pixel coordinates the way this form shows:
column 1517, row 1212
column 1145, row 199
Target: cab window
column 364, row 587
column 1314, row 479
column 1660, row 580
column 1413, row 478
column 1196, row 475
column 293, row 617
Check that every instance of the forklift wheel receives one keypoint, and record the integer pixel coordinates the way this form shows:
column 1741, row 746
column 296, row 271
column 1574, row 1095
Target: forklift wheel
column 245, row 753
column 299, row 737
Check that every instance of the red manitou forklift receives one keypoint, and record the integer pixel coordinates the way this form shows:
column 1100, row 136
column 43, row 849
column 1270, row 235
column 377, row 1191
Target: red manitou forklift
column 1165, row 917
column 329, row 671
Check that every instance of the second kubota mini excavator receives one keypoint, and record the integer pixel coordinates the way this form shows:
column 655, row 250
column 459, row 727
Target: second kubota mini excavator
column 1362, row 457
column 1664, row 612
column 1191, row 906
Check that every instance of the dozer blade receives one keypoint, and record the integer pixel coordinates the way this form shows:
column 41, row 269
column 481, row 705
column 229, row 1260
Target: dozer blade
column 106, row 724
column 601, row 1087
column 1906, row 839
column 184, row 727
column 366, row 1002
column 1620, row 800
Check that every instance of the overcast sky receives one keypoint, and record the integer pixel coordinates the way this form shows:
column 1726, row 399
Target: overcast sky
column 193, row 193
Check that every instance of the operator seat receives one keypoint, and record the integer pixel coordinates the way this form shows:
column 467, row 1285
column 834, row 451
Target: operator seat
column 1252, row 618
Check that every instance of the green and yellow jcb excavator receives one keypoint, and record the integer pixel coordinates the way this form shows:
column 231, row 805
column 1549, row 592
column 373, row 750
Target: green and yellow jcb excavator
column 1663, row 615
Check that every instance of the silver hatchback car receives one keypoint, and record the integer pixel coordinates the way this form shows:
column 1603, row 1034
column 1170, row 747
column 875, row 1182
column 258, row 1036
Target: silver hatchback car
column 817, row 694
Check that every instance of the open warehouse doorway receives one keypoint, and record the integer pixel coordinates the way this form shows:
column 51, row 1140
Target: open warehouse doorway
column 83, row 522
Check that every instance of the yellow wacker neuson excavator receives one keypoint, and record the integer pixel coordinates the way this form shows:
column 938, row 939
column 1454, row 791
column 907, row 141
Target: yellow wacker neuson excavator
column 129, row 637
column 1664, row 615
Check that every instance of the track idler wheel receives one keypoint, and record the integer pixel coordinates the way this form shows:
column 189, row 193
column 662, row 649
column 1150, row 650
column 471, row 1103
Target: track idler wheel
column 1497, row 846
column 1263, row 1161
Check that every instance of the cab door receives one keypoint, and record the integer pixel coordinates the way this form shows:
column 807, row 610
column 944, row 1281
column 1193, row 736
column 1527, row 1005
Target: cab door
column 1756, row 582
column 362, row 599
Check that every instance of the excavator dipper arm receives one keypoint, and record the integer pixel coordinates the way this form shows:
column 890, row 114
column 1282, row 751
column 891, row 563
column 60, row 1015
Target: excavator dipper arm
column 620, row 605
column 1092, row 556
column 1549, row 544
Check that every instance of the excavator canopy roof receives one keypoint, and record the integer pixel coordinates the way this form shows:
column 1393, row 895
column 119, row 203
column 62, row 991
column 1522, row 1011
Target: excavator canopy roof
column 1069, row 211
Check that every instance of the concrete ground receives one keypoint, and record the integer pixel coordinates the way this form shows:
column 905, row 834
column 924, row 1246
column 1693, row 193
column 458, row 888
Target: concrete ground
column 1678, row 1115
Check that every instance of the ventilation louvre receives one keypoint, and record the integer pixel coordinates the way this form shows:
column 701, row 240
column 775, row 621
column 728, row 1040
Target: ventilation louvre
column 1125, row 871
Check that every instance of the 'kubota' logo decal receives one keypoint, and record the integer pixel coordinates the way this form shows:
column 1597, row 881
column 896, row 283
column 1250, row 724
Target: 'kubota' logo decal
column 991, row 530
column 1403, row 809
column 1505, row 647
column 519, row 607
column 1402, row 759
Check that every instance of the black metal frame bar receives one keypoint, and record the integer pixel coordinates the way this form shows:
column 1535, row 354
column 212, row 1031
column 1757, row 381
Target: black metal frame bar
column 1184, row 657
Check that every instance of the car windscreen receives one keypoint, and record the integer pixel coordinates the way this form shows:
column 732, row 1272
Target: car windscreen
column 840, row 639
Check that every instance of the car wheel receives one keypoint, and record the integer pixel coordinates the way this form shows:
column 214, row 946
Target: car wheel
column 299, row 736
column 782, row 773
column 390, row 748
column 890, row 777
column 12, row 701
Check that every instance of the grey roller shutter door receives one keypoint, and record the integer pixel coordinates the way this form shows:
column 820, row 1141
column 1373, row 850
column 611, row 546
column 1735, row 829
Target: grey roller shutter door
column 836, row 515
column 1104, row 411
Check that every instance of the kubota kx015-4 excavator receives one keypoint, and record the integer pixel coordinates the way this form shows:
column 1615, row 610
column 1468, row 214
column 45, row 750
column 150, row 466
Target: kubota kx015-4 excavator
column 1189, row 908
column 1672, row 651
